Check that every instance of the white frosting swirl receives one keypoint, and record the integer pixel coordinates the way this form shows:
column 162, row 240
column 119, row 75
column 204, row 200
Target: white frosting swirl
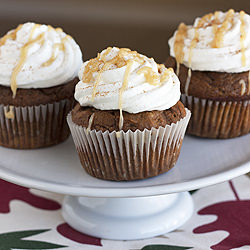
column 228, row 57
column 60, row 51
column 139, row 95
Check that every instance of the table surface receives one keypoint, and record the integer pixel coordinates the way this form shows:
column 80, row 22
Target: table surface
column 31, row 219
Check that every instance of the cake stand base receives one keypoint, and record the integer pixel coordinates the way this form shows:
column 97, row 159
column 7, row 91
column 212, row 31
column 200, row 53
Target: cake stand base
column 127, row 218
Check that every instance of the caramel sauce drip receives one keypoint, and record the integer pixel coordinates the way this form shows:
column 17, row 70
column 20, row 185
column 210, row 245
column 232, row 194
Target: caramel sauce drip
column 23, row 57
column 179, row 42
column 177, row 68
column 248, row 92
column 122, row 89
column 151, row 77
column 215, row 24
column 11, row 35
column 219, row 32
column 9, row 114
column 57, row 46
column 188, row 81
column 243, row 87
column 91, row 119
column 193, row 45
column 243, row 36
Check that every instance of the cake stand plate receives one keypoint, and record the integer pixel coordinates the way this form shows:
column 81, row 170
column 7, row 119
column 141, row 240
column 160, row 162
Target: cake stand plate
column 127, row 210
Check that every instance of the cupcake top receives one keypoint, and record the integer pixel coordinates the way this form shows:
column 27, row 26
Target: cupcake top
column 37, row 56
column 121, row 79
column 218, row 41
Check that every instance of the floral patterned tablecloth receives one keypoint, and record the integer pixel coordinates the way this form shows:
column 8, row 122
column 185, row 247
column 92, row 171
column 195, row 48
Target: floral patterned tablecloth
column 31, row 219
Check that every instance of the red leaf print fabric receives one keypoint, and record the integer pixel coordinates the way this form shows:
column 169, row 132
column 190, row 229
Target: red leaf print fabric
column 9, row 192
column 72, row 234
column 233, row 217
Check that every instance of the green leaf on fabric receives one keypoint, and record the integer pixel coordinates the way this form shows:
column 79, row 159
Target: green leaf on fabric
column 14, row 240
column 164, row 247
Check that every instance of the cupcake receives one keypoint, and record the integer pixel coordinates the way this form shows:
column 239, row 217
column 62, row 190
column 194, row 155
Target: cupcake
column 212, row 59
column 39, row 66
column 128, row 123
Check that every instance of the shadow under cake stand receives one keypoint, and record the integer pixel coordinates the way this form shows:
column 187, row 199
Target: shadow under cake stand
column 127, row 210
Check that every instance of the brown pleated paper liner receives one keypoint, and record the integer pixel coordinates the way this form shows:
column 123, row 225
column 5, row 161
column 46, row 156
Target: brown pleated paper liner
column 217, row 119
column 129, row 155
column 35, row 126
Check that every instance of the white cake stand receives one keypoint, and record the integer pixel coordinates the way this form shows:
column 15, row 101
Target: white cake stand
column 127, row 210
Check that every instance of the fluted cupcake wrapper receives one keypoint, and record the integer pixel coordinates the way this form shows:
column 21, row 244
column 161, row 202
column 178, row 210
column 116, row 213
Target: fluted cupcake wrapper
column 35, row 126
column 129, row 155
column 217, row 119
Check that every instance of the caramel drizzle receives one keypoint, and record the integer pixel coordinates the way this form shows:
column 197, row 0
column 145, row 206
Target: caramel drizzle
column 91, row 119
column 194, row 42
column 152, row 77
column 56, row 47
column 23, row 57
column 100, row 64
column 215, row 27
column 179, row 43
column 219, row 32
column 9, row 114
column 122, row 89
column 25, row 48
column 243, row 86
column 243, row 36
column 98, row 79
column 248, row 92
column 24, row 52
column 11, row 35
column 177, row 68
column 188, row 81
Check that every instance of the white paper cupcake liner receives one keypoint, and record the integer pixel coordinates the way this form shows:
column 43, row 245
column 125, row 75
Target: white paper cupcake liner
column 217, row 119
column 129, row 155
column 35, row 126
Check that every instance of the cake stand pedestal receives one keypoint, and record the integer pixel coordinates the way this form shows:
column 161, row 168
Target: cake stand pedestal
column 127, row 210
column 127, row 218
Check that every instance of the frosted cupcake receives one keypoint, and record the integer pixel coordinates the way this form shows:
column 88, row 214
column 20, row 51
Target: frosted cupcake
column 38, row 74
column 212, row 59
column 129, row 123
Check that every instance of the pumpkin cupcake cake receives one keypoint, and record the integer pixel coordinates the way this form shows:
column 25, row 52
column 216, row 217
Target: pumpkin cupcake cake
column 39, row 66
column 128, row 123
column 212, row 59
